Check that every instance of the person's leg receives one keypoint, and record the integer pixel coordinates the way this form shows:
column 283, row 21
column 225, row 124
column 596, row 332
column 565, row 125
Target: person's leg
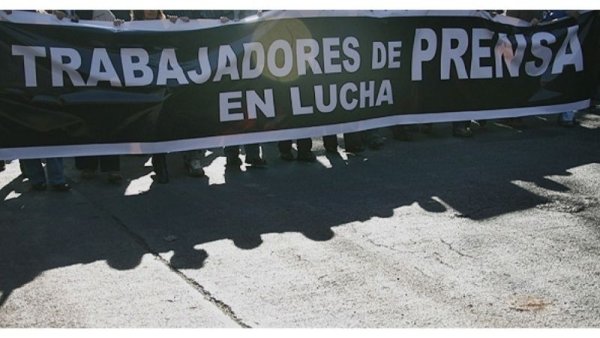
column 159, row 163
column 35, row 173
column 192, row 160
column 56, row 176
column 305, row 153
column 427, row 128
column 253, row 155
column 285, row 150
column 400, row 133
column 2, row 165
column 373, row 139
column 353, row 142
column 330, row 143
column 304, row 145
column 111, row 164
column 88, row 165
column 567, row 119
column 462, row 129
column 232, row 153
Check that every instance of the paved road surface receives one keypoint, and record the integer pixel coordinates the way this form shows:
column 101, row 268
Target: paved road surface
column 501, row 230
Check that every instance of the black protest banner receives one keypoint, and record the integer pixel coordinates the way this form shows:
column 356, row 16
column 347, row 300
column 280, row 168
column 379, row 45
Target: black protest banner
column 146, row 87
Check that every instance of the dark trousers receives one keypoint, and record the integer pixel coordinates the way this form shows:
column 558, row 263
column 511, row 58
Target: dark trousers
column 252, row 151
column 304, row 145
column 351, row 140
column 106, row 163
column 461, row 124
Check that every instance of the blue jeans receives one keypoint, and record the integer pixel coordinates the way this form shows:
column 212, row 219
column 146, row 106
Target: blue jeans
column 35, row 171
column 567, row 116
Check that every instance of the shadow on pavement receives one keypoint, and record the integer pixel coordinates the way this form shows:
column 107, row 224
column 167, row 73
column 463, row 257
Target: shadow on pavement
column 474, row 177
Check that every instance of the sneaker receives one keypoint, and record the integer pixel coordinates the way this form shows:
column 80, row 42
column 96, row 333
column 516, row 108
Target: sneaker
column 287, row 156
column 61, row 187
column 306, row 156
column 194, row 168
column 114, row 177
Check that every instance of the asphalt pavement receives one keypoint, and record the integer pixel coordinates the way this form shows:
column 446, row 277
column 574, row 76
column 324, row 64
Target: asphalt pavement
column 498, row 230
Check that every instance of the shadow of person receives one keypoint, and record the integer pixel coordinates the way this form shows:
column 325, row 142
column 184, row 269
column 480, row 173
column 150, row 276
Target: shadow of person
column 188, row 259
column 549, row 184
column 247, row 241
column 319, row 234
column 45, row 230
column 475, row 178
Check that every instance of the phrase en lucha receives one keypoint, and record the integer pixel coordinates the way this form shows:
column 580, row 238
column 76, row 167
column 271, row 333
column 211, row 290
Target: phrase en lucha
column 279, row 59
column 348, row 96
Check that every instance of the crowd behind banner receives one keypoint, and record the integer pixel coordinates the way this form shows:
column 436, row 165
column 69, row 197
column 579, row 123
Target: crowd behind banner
column 92, row 99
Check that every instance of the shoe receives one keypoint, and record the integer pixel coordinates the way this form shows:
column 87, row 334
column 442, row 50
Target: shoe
column 286, row 156
column 462, row 132
column 233, row 162
column 88, row 174
column 194, row 168
column 114, row 177
column 256, row 162
column 306, row 156
column 61, row 187
column 39, row 186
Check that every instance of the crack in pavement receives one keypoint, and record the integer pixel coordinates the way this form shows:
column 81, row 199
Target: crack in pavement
column 438, row 258
column 226, row 309
column 391, row 248
column 454, row 250
column 423, row 273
